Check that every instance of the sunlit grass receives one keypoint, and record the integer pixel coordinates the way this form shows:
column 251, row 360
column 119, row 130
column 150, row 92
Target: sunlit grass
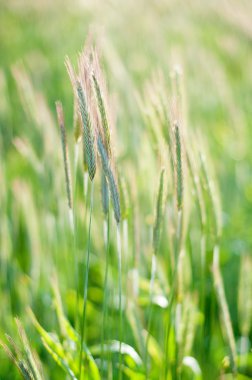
column 178, row 98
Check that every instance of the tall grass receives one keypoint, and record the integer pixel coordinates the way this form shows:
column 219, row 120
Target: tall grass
column 148, row 283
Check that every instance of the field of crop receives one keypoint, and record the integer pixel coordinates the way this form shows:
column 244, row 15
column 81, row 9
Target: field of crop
column 125, row 190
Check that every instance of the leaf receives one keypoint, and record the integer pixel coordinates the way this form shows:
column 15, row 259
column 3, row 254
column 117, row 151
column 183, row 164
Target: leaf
column 55, row 348
column 69, row 333
column 28, row 353
column 114, row 347
column 132, row 374
column 23, row 358
column 65, row 327
column 154, row 351
column 193, row 365
column 63, row 358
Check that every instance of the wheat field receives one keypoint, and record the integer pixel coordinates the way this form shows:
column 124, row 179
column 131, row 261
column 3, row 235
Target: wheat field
column 125, row 190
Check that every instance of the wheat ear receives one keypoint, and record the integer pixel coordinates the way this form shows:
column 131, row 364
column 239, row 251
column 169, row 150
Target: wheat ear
column 88, row 135
column 114, row 193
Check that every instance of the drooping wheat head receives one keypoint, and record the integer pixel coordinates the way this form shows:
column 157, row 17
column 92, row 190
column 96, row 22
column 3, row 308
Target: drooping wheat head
column 114, row 193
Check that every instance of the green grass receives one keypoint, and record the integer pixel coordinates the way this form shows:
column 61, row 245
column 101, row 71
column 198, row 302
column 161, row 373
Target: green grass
column 195, row 309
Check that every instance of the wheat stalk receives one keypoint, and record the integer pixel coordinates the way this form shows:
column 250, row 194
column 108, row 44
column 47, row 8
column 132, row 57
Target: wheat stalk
column 156, row 239
column 106, row 223
column 59, row 109
column 178, row 242
column 114, row 194
column 218, row 282
column 83, row 323
column 61, row 123
column 202, row 214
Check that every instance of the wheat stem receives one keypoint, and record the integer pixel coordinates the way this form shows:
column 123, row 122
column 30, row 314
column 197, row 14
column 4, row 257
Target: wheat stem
column 105, row 287
column 119, row 255
column 151, row 292
column 169, row 310
column 218, row 282
column 72, row 215
column 85, row 290
column 156, row 240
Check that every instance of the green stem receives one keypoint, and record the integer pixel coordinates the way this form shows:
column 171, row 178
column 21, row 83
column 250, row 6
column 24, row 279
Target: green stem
column 153, row 274
column 203, row 285
column 119, row 252
column 178, row 244
column 105, row 287
column 83, row 322
column 75, row 227
column 76, row 272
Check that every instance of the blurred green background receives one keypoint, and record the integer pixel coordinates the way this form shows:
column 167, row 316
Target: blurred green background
column 213, row 43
